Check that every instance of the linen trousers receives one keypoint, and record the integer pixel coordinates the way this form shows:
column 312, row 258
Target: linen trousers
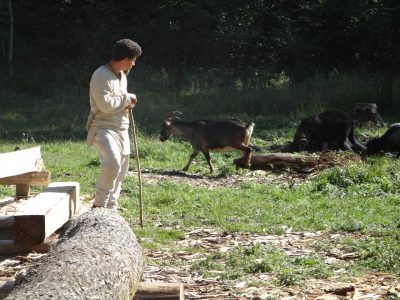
column 114, row 164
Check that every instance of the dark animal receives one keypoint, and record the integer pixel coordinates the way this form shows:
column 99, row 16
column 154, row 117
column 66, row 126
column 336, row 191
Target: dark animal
column 330, row 130
column 206, row 136
column 388, row 142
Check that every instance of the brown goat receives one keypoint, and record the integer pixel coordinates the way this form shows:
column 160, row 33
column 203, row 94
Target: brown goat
column 206, row 136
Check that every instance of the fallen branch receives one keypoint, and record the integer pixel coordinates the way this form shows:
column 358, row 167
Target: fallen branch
column 278, row 160
column 159, row 291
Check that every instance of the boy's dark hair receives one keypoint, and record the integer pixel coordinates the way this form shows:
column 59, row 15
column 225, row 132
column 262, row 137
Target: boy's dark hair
column 125, row 48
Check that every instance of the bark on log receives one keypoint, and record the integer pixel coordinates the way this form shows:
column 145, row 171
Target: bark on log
column 264, row 162
column 98, row 257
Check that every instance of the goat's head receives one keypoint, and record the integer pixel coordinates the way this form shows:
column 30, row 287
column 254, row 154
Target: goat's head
column 299, row 143
column 166, row 131
column 166, row 126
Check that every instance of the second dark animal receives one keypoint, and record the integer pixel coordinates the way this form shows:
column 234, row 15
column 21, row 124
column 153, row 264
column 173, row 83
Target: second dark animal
column 206, row 136
column 330, row 130
column 388, row 142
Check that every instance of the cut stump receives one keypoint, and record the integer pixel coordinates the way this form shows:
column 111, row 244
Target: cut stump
column 363, row 113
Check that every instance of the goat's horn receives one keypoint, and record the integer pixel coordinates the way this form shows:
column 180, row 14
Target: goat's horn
column 172, row 115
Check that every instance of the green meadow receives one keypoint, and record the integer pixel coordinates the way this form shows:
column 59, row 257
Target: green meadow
column 357, row 197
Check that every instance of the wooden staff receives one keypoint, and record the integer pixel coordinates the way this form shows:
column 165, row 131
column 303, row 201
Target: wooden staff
column 135, row 145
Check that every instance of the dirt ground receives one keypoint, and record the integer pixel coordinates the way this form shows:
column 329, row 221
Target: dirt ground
column 282, row 177
column 168, row 266
column 165, row 265
column 175, row 267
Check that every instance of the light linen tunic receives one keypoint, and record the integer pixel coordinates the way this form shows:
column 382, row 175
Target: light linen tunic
column 108, row 99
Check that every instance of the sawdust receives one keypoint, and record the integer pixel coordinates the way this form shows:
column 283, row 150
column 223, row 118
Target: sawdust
column 169, row 266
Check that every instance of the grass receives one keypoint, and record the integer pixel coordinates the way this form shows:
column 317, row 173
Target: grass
column 361, row 198
column 263, row 259
column 66, row 161
column 357, row 198
column 342, row 199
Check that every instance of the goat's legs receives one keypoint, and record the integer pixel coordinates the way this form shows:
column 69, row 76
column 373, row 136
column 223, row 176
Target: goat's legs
column 208, row 158
column 192, row 157
column 247, row 154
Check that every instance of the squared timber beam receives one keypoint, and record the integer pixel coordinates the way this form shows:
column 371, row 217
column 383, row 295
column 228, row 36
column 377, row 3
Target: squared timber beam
column 7, row 247
column 20, row 162
column 30, row 178
column 43, row 214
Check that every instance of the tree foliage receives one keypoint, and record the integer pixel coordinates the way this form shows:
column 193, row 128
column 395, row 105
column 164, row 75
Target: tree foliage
column 251, row 41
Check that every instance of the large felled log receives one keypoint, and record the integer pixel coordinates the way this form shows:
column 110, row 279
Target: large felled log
column 98, row 257
column 264, row 162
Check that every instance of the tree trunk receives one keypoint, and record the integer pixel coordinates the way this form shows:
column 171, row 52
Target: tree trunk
column 98, row 257
column 11, row 40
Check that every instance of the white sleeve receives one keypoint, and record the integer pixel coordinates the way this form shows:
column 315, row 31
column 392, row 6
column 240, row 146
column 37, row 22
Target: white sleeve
column 101, row 90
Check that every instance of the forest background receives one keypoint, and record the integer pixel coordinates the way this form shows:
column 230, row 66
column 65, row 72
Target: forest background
column 205, row 58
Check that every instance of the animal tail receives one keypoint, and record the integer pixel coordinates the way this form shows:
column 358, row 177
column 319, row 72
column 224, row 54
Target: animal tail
column 249, row 131
column 250, row 126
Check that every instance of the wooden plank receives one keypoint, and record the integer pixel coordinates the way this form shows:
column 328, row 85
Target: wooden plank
column 31, row 178
column 24, row 181
column 8, row 247
column 22, row 190
column 71, row 188
column 31, row 229
column 159, row 291
column 6, row 234
column 6, row 222
column 43, row 214
column 20, row 162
